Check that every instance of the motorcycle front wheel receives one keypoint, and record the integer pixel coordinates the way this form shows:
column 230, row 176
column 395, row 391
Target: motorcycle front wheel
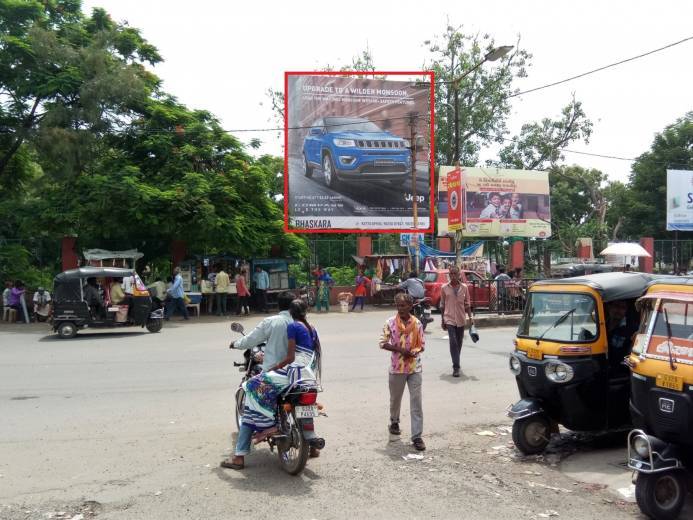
column 293, row 452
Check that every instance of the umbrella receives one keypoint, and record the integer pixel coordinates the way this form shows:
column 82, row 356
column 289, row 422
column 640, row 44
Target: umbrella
column 625, row 249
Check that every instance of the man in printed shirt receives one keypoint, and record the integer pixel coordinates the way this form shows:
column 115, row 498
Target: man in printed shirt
column 403, row 335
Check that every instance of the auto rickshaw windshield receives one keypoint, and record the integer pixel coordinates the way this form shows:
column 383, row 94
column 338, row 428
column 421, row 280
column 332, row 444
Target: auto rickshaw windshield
column 680, row 317
column 565, row 317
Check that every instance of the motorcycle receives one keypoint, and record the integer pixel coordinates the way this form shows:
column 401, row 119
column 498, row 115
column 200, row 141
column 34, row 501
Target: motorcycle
column 422, row 311
column 296, row 408
column 307, row 294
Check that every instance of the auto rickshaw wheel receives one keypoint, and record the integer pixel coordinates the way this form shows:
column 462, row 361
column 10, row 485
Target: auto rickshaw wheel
column 67, row 330
column 155, row 325
column 661, row 495
column 531, row 434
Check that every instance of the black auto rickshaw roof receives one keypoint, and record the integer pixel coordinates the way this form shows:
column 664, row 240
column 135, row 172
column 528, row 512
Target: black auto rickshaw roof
column 611, row 286
column 93, row 272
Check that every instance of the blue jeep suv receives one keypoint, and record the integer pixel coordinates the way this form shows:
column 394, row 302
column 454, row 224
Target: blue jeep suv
column 355, row 149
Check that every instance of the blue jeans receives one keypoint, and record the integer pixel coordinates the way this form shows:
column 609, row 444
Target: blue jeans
column 245, row 435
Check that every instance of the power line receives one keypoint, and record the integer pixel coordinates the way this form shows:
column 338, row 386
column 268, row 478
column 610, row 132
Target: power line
column 601, row 68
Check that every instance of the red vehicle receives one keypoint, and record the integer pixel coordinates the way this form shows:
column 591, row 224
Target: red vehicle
column 478, row 286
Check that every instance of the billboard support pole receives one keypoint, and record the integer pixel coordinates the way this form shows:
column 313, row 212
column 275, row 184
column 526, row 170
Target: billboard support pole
column 415, row 208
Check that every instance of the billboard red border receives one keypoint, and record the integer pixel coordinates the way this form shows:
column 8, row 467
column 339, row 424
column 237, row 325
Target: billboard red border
column 431, row 76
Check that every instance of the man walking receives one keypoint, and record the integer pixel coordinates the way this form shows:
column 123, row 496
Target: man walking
column 403, row 335
column 501, row 280
column 223, row 282
column 454, row 303
column 261, row 280
column 176, row 293
column 212, row 279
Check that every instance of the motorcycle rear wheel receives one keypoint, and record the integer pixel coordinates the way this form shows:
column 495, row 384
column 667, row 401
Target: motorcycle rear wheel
column 293, row 459
column 240, row 405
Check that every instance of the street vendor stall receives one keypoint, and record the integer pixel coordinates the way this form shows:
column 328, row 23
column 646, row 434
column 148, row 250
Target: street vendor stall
column 385, row 272
column 278, row 271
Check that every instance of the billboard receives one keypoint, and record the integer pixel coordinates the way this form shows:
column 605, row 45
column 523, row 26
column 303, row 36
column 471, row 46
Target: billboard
column 358, row 152
column 455, row 200
column 499, row 202
column 679, row 200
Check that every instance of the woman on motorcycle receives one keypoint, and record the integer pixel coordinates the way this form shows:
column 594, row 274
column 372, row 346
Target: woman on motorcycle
column 263, row 390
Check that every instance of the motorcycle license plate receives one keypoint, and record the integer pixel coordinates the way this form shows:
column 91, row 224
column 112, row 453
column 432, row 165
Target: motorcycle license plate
column 534, row 353
column 306, row 412
column 670, row 382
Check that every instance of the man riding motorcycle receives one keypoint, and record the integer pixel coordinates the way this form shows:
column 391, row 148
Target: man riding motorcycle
column 413, row 286
column 271, row 331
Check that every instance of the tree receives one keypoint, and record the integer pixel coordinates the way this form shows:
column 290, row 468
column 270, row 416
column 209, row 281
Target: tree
column 645, row 215
column 483, row 95
column 65, row 79
column 539, row 144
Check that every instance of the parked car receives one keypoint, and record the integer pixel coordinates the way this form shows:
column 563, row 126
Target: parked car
column 475, row 282
column 355, row 149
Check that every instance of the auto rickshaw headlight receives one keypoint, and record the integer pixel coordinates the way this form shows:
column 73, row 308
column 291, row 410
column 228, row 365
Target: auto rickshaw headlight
column 559, row 372
column 641, row 446
column 515, row 366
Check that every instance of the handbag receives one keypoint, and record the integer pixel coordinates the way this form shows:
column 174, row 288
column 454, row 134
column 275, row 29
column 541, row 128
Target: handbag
column 473, row 334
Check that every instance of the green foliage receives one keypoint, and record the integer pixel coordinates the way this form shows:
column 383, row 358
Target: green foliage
column 645, row 209
column 16, row 263
column 342, row 275
column 539, row 144
column 483, row 105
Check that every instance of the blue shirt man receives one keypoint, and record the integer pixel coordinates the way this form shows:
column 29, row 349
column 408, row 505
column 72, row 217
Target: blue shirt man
column 261, row 279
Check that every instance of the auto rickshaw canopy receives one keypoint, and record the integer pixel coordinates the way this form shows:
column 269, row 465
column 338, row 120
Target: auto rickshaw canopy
column 67, row 286
column 611, row 286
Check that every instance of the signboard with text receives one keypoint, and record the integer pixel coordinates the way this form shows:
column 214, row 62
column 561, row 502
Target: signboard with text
column 679, row 200
column 499, row 202
column 455, row 200
column 358, row 150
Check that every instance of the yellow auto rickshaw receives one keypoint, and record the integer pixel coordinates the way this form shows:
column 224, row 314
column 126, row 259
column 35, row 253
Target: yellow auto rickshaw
column 568, row 358
column 660, row 449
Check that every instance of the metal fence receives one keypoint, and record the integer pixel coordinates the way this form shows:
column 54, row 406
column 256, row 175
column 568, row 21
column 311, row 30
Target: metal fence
column 673, row 256
column 499, row 296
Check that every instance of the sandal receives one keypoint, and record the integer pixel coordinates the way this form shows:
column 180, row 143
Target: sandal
column 230, row 464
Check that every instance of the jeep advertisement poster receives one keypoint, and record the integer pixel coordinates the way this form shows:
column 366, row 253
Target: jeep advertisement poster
column 358, row 152
column 499, row 202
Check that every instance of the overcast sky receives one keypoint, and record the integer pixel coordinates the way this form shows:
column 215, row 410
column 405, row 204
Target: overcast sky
column 222, row 56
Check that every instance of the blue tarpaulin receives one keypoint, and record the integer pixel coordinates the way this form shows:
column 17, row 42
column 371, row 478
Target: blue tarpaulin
column 428, row 251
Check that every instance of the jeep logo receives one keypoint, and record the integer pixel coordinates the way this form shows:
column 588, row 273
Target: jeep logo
column 666, row 405
column 532, row 371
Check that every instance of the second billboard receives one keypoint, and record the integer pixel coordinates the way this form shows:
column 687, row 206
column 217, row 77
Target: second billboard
column 499, row 202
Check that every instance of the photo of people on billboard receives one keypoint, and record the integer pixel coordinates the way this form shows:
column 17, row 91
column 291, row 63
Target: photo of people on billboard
column 501, row 202
column 358, row 153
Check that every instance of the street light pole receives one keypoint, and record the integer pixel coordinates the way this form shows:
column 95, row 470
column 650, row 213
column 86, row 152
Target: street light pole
column 493, row 55
column 413, row 116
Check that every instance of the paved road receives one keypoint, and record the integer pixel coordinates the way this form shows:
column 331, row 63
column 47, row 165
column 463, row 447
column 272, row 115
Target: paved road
column 352, row 198
column 133, row 425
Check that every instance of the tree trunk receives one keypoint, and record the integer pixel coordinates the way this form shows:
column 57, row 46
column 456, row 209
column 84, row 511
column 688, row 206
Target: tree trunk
column 21, row 134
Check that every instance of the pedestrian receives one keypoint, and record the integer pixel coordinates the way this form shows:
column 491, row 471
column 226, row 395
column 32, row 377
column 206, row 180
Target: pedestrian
column 176, row 294
column 362, row 282
column 501, row 280
column 243, row 294
column 6, row 295
column 403, row 335
column 42, row 304
column 261, row 280
column 212, row 279
column 223, row 282
column 15, row 300
column 455, row 304
column 325, row 281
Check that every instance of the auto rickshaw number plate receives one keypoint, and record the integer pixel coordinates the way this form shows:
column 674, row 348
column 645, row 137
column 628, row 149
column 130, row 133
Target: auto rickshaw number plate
column 670, row 382
column 535, row 353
